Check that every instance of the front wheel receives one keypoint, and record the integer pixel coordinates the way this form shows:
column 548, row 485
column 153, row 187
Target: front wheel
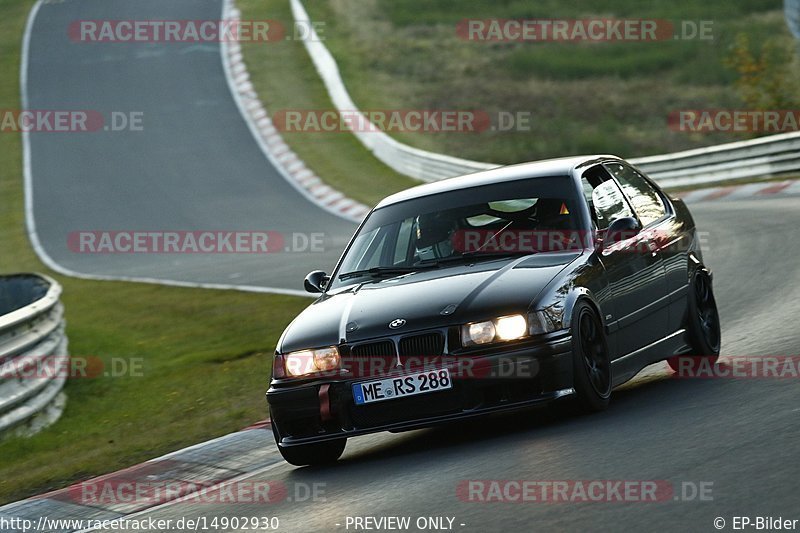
column 703, row 327
column 591, row 365
column 318, row 453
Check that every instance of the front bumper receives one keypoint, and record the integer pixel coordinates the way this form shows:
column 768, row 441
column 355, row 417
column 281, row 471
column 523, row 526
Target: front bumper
column 514, row 378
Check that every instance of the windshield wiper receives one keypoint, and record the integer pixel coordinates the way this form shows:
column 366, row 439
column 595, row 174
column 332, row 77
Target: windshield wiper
column 377, row 272
column 466, row 256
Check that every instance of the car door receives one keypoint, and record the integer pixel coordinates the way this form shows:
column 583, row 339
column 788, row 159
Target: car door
column 645, row 317
column 674, row 240
column 634, row 269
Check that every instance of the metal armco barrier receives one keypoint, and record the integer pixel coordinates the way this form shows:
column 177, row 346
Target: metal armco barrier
column 765, row 156
column 33, row 346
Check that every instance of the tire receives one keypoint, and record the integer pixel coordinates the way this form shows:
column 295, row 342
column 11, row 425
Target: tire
column 702, row 326
column 319, row 453
column 591, row 364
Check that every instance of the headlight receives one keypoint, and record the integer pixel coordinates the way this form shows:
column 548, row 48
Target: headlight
column 478, row 333
column 305, row 362
column 511, row 327
column 326, row 358
column 505, row 328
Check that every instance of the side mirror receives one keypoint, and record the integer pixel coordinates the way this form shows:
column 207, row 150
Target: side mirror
column 316, row 281
column 620, row 230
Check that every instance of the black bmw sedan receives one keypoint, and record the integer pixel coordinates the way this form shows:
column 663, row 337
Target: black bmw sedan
column 495, row 291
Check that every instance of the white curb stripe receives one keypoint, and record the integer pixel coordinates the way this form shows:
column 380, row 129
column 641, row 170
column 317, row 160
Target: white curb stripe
column 270, row 140
column 750, row 190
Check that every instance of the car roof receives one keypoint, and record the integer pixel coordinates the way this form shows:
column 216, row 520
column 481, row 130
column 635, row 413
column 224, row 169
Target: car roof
column 562, row 166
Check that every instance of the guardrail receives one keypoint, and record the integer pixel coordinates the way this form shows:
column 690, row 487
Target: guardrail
column 791, row 9
column 762, row 157
column 420, row 164
column 33, row 349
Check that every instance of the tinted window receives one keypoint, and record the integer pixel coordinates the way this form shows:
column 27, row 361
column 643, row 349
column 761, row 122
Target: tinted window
column 609, row 204
column 454, row 224
column 645, row 199
column 403, row 244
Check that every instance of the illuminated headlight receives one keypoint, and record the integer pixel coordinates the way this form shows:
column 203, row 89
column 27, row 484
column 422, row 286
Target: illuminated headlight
column 305, row 362
column 511, row 327
column 326, row 359
column 500, row 329
column 478, row 333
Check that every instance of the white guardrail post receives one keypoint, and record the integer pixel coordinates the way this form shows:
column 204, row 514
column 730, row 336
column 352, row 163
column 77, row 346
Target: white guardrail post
column 33, row 353
column 762, row 157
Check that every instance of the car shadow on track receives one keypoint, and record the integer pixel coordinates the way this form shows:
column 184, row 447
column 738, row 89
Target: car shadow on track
column 635, row 403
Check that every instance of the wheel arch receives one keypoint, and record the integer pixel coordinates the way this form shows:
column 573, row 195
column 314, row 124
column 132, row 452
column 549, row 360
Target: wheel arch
column 696, row 266
column 575, row 296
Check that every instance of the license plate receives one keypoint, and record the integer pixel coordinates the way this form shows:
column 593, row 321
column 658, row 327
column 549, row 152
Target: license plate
column 402, row 386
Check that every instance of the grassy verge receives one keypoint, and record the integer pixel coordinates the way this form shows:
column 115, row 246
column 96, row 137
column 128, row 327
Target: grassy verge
column 204, row 355
column 580, row 97
column 285, row 79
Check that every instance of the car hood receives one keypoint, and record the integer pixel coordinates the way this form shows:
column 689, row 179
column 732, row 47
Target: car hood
column 424, row 299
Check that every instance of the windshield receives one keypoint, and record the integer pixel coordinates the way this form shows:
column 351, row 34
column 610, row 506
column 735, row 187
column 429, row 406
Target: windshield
column 521, row 217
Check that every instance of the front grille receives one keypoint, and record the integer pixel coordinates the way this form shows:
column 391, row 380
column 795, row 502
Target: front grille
column 373, row 358
column 374, row 349
column 425, row 345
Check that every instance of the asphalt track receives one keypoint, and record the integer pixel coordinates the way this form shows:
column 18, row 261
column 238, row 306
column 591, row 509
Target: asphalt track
column 196, row 166
column 740, row 435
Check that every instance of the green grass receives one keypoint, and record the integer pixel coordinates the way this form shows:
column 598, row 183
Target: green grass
column 582, row 97
column 285, row 79
column 411, row 12
column 205, row 355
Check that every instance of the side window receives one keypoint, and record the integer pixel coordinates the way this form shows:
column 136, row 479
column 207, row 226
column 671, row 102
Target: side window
column 609, row 204
column 372, row 246
column 605, row 199
column 403, row 243
column 588, row 189
column 645, row 199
